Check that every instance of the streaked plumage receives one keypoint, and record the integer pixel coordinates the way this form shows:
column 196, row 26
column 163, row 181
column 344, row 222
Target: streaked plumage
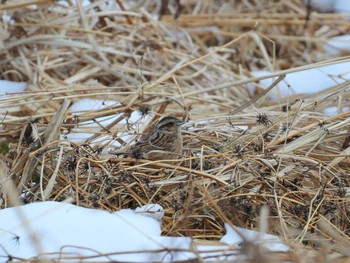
column 162, row 142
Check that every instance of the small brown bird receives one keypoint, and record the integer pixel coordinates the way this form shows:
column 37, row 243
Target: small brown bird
column 162, row 142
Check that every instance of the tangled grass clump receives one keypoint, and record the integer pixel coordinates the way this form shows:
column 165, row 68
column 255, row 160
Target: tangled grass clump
column 246, row 146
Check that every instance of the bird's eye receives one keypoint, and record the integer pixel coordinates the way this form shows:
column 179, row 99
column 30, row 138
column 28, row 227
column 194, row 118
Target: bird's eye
column 168, row 125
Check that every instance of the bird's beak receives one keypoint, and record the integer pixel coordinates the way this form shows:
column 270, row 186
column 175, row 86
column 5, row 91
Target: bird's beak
column 179, row 123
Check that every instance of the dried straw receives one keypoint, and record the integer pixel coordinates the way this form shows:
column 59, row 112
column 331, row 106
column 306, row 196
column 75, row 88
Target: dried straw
column 292, row 157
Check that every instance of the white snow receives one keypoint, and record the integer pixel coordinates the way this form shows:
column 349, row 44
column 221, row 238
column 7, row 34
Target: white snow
column 62, row 230
column 51, row 227
column 308, row 81
column 270, row 242
column 232, row 242
column 152, row 210
column 337, row 45
column 8, row 87
column 82, row 106
column 341, row 6
column 331, row 111
column 337, row 6
column 322, row 5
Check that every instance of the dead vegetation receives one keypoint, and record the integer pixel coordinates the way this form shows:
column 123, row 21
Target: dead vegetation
column 291, row 158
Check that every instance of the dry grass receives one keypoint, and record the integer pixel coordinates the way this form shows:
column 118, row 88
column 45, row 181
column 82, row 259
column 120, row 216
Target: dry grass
column 292, row 157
